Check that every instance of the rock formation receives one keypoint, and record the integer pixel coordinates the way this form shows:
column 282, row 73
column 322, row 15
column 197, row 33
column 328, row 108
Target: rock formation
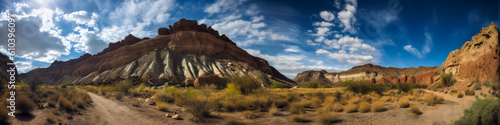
column 477, row 60
column 181, row 53
column 4, row 75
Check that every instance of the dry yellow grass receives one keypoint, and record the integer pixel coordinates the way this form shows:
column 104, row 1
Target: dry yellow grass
column 355, row 100
column 300, row 118
column 51, row 118
column 328, row 117
column 274, row 111
column 431, row 99
column 378, row 106
column 162, row 106
column 414, row 109
column 296, row 108
column 460, row 94
column 351, row 108
column 364, row 107
column 403, row 103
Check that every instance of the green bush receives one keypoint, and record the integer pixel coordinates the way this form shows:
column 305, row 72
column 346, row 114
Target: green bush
column 199, row 106
column 277, row 84
column 245, row 84
column 67, row 84
column 327, row 86
column 312, row 85
column 447, row 79
column 482, row 112
column 123, row 86
column 364, row 87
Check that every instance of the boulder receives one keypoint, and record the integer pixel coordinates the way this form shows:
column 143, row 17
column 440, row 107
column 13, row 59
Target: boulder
column 176, row 117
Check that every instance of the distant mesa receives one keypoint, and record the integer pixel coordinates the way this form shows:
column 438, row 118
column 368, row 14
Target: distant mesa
column 477, row 60
column 179, row 55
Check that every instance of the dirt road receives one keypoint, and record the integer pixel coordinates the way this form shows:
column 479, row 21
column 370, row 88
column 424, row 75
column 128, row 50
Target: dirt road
column 108, row 112
column 451, row 109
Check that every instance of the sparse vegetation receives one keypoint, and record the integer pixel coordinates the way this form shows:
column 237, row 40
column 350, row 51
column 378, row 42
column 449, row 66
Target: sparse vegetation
column 431, row 99
column 24, row 104
column 364, row 107
column 364, row 87
column 197, row 104
column 403, row 103
column 296, row 108
column 123, row 86
column 470, row 92
column 300, row 118
column 327, row 118
column 351, row 108
column 277, row 84
column 161, row 106
column 274, row 111
column 311, row 85
column 414, row 109
column 447, row 79
column 485, row 112
column 378, row 106
column 460, row 94
column 245, row 84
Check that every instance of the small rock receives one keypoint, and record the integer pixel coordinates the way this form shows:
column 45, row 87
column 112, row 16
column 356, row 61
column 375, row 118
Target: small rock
column 167, row 115
column 176, row 117
column 45, row 105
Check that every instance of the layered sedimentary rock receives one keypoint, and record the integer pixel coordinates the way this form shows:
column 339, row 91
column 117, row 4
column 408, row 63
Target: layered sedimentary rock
column 179, row 54
column 372, row 73
column 477, row 60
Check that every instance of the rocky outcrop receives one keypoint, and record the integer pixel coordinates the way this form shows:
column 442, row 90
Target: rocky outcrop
column 4, row 75
column 179, row 54
column 372, row 73
column 476, row 60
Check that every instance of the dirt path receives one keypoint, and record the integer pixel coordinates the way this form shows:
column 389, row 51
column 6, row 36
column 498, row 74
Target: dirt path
column 451, row 109
column 108, row 112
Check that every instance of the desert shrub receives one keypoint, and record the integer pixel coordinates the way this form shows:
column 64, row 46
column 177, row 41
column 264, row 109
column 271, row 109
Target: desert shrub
column 51, row 118
column 414, row 109
column 460, row 94
column 79, row 103
column 4, row 117
column 280, row 102
column 316, row 102
column 274, row 111
column 123, row 86
column 329, row 107
column 232, row 89
column 495, row 84
column 164, row 97
column 351, row 108
column 245, row 84
column 161, row 106
column 364, row 87
column 378, row 106
column 24, row 104
column 470, row 92
column 311, row 85
column 327, row 118
column 67, row 84
column 355, row 100
column 441, row 85
column 141, row 87
column 65, row 104
column 447, row 79
column 405, row 87
column 199, row 106
column 327, row 86
column 482, row 111
column 477, row 86
column 453, row 91
column 259, row 103
column 172, row 90
column 296, row 108
column 364, row 107
column 403, row 103
column 300, row 118
column 431, row 99
column 277, row 84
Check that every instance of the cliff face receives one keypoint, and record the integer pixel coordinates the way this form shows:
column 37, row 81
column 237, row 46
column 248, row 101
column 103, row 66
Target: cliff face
column 477, row 60
column 183, row 52
column 4, row 75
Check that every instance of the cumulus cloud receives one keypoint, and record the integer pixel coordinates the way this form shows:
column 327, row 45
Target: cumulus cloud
column 223, row 5
column 347, row 17
column 290, row 64
column 344, row 57
column 294, row 49
column 323, row 24
column 82, row 17
column 23, row 66
column 425, row 49
column 87, row 41
column 327, row 15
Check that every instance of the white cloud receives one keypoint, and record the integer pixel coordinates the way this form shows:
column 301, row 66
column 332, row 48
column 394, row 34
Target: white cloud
column 323, row 24
column 344, row 57
column 258, row 25
column 82, row 17
column 221, row 6
column 23, row 66
column 425, row 49
column 294, row 49
column 327, row 15
column 347, row 18
column 87, row 41
column 257, row 18
column 290, row 65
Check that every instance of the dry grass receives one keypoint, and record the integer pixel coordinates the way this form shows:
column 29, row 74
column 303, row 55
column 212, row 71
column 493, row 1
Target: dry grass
column 460, row 94
column 431, row 99
column 24, row 104
column 161, row 106
column 403, row 103
column 378, row 106
column 351, row 108
column 328, row 118
column 364, row 107
column 300, row 118
column 355, row 100
column 414, row 109
column 65, row 104
column 274, row 111
column 51, row 118
column 296, row 108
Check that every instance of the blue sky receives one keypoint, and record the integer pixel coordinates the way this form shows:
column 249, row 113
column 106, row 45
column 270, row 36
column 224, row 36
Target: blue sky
column 293, row 36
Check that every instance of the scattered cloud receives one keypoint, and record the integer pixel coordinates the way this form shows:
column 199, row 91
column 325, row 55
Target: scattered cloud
column 82, row 17
column 425, row 49
column 221, row 6
column 327, row 15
